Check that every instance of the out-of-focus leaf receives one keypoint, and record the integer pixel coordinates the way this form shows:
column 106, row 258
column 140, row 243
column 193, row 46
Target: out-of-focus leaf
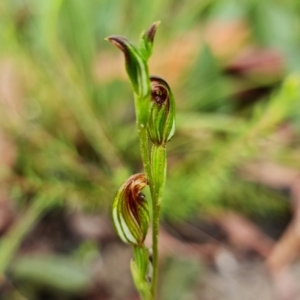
column 55, row 272
column 179, row 278
column 203, row 86
column 190, row 122
column 227, row 10
column 275, row 25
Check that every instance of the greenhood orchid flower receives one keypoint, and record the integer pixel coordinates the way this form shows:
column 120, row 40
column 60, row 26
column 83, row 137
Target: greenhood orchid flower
column 161, row 125
column 130, row 210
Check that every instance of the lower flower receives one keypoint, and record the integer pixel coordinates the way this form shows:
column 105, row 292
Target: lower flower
column 130, row 211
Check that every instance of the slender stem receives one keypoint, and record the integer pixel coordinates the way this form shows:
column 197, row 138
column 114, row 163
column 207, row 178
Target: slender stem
column 143, row 139
column 158, row 171
column 155, row 232
column 145, row 155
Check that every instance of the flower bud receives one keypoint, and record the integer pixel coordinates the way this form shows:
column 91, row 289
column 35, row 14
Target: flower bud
column 161, row 124
column 130, row 212
column 147, row 39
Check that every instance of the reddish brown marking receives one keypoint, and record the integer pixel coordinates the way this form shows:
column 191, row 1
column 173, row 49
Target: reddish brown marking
column 159, row 94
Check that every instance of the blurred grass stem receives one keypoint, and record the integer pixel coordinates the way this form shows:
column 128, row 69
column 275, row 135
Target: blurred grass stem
column 11, row 242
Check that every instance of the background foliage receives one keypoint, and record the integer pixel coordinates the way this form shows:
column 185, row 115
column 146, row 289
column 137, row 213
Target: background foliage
column 67, row 136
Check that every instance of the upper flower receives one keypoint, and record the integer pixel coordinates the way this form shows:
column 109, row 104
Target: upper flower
column 161, row 124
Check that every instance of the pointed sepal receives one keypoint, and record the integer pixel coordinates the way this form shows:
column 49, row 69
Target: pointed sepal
column 147, row 39
column 136, row 65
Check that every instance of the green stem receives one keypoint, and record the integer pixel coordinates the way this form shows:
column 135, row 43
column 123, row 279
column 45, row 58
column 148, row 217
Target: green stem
column 143, row 139
column 145, row 155
column 158, row 172
column 155, row 232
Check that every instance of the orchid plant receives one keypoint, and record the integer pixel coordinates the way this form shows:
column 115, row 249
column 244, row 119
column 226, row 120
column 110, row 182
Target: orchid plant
column 155, row 120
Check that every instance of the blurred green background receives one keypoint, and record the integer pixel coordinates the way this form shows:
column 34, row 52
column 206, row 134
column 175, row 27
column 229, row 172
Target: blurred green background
column 67, row 127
